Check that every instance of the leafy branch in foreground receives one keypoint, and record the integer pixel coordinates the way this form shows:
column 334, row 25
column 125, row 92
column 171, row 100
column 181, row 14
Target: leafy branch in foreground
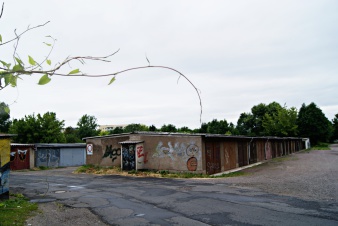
column 12, row 70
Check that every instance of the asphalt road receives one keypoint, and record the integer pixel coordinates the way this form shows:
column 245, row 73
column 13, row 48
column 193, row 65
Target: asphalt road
column 118, row 200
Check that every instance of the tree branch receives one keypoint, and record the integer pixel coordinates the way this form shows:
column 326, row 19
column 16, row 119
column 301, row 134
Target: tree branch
column 145, row 67
column 19, row 35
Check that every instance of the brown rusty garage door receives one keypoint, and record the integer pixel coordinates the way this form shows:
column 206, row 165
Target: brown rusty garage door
column 213, row 158
column 242, row 153
column 230, row 153
column 19, row 158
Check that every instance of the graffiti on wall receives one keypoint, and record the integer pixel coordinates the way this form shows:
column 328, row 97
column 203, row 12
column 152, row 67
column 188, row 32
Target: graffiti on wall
column 13, row 155
column 22, row 155
column 227, row 156
column 4, row 176
column 192, row 164
column 113, row 153
column 189, row 153
column 128, row 157
column 4, row 168
column 48, row 157
column 141, row 154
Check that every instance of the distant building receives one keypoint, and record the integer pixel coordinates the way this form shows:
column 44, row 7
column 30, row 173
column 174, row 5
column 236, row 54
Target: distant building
column 107, row 128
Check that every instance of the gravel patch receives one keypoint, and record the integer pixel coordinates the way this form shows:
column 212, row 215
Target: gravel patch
column 311, row 175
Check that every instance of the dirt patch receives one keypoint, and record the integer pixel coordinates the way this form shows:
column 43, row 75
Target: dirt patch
column 56, row 214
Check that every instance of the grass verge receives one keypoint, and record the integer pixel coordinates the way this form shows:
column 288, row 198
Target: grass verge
column 320, row 146
column 92, row 169
column 16, row 210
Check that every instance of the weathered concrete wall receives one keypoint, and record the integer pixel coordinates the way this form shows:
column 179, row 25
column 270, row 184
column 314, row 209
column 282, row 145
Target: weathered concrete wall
column 5, row 149
column 106, row 151
column 173, row 152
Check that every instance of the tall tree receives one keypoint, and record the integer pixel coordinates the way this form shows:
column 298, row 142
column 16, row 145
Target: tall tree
column 335, row 128
column 251, row 124
column 312, row 123
column 38, row 129
column 116, row 130
column 258, row 113
column 135, row 127
column 87, row 126
column 245, row 124
column 282, row 122
column 204, row 128
column 4, row 117
column 168, row 128
column 71, row 135
column 184, row 129
column 218, row 127
column 152, row 128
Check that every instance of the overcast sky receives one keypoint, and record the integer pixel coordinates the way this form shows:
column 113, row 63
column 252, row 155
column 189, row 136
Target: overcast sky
column 238, row 53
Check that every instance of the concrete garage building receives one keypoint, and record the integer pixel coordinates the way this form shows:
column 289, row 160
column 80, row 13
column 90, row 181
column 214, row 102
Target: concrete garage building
column 200, row 153
column 56, row 155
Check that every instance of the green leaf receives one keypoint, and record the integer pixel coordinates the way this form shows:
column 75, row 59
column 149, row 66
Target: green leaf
column 31, row 61
column 12, row 80
column 44, row 80
column 112, row 80
column 19, row 61
column 7, row 110
column 5, row 64
column 49, row 62
column 0, row 38
column 8, row 79
column 75, row 71
column 47, row 44
column 17, row 67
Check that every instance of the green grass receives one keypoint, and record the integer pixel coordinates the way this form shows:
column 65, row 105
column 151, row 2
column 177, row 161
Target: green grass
column 16, row 210
column 93, row 169
column 320, row 146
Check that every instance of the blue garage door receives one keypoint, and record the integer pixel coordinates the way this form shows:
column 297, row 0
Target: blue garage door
column 72, row 156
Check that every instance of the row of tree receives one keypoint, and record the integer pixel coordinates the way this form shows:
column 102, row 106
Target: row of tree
column 263, row 120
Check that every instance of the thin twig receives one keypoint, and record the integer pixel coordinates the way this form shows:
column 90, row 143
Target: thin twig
column 28, row 29
column 2, row 9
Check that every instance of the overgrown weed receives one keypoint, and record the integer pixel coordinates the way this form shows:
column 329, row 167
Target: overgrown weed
column 92, row 169
column 16, row 210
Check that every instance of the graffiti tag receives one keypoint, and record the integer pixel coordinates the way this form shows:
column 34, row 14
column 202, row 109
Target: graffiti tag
column 113, row 153
column 22, row 155
column 140, row 153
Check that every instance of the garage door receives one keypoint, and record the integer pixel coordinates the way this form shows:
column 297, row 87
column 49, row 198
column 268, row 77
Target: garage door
column 72, row 156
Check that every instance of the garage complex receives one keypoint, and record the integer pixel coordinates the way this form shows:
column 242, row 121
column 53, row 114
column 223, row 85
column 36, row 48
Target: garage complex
column 179, row 152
